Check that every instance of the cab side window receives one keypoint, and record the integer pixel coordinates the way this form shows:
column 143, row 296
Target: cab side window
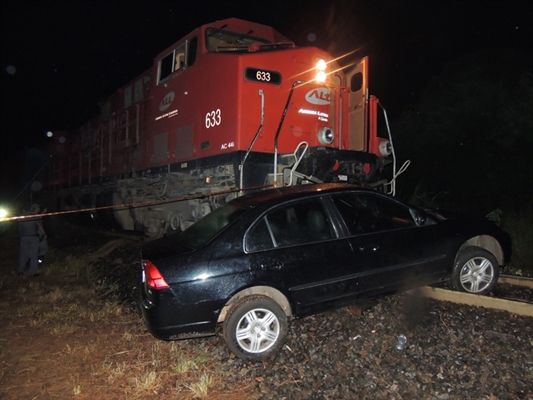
column 367, row 213
column 178, row 59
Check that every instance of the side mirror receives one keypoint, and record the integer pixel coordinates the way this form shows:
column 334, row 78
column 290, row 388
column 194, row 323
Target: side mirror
column 420, row 218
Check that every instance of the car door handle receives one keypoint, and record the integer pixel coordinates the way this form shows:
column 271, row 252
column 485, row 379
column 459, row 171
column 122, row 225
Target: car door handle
column 367, row 248
column 276, row 266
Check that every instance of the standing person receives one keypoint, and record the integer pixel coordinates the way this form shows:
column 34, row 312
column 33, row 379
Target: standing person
column 31, row 229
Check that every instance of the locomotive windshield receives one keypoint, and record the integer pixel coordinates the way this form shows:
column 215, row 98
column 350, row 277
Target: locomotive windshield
column 218, row 37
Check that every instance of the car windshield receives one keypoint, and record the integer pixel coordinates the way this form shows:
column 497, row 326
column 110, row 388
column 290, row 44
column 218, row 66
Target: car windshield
column 209, row 226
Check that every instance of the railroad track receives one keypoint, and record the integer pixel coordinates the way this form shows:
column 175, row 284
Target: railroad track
column 520, row 306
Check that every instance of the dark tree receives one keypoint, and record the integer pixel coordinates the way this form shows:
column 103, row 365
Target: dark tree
column 471, row 133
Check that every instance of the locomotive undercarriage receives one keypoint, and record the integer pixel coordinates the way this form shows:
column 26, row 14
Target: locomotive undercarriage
column 170, row 202
column 171, row 198
column 178, row 199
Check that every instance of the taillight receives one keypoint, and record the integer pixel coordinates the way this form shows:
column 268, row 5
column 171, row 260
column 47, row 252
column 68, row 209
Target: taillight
column 153, row 277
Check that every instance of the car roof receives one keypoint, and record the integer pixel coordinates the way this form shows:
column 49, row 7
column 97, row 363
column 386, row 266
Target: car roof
column 293, row 192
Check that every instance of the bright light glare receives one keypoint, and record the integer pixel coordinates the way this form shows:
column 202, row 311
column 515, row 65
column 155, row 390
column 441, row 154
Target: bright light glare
column 3, row 213
column 49, row 134
column 320, row 77
column 321, row 65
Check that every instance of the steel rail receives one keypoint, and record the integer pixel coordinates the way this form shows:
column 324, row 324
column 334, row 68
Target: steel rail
column 524, row 308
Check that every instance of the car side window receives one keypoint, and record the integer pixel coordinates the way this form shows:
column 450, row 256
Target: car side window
column 259, row 238
column 367, row 214
column 295, row 224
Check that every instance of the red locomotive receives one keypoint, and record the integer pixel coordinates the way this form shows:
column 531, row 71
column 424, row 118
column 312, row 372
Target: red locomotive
column 234, row 105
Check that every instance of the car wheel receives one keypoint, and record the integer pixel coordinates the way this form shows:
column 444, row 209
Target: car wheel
column 476, row 271
column 255, row 328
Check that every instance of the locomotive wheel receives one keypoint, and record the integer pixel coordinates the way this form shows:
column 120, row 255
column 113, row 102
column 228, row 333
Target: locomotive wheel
column 155, row 234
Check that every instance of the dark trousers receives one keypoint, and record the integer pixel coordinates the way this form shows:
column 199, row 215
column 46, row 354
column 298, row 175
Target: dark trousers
column 29, row 249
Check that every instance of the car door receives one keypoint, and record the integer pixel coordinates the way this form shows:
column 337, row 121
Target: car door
column 392, row 252
column 296, row 248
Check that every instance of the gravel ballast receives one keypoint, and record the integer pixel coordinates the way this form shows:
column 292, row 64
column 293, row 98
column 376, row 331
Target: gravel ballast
column 452, row 352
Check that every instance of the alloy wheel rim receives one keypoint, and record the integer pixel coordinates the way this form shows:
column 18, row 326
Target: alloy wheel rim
column 258, row 330
column 477, row 274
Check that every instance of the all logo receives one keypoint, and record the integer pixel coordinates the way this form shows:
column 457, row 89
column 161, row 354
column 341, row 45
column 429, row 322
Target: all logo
column 167, row 101
column 319, row 96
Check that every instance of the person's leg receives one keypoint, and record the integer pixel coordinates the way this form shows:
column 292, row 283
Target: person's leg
column 24, row 253
column 34, row 254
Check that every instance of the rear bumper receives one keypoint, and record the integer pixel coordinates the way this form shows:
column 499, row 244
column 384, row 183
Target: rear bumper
column 167, row 320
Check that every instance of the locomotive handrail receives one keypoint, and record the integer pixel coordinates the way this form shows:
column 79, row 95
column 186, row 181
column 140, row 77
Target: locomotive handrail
column 279, row 130
column 297, row 159
column 241, row 167
column 404, row 166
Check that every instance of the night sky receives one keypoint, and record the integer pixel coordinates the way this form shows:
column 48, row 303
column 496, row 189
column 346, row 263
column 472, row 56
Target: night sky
column 59, row 58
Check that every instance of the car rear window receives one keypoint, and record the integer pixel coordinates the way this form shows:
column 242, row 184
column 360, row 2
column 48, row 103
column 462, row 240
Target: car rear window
column 209, row 226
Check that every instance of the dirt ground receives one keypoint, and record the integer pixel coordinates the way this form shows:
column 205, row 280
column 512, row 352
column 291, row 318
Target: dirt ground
column 44, row 352
column 38, row 364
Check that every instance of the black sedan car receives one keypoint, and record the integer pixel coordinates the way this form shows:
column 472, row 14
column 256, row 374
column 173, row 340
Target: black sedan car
column 289, row 252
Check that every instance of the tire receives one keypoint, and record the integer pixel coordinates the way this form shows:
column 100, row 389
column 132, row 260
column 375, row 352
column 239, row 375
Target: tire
column 476, row 271
column 255, row 328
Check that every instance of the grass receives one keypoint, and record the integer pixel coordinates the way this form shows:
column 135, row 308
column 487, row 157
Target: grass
column 425, row 199
column 148, row 382
column 201, row 388
column 185, row 364
column 519, row 223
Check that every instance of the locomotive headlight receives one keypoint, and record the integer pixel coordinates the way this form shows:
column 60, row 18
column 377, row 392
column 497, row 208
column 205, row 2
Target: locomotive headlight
column 3, row 213
column 320, row 77
column 326, row 135
column 321, row 71
column 321, row 65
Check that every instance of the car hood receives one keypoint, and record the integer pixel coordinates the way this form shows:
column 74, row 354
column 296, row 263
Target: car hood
column 479, row 225
column 469, row 227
